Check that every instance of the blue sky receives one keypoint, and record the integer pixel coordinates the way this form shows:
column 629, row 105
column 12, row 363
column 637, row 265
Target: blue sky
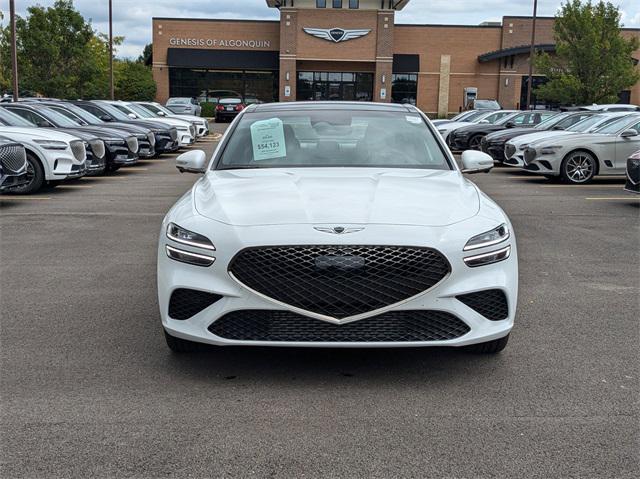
column 132, row 19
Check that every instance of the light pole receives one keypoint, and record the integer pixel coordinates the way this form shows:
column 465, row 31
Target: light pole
column 532, row 52
column 14, row 51
column 111, row 96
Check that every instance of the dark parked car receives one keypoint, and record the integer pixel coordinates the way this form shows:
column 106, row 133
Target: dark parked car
column 494, row 143
column 13, row 164
column 470, row 137
column 42, row 117
column 118, row 149
column 166, row 137
column 146, row 138
column 228, row 108
column 632, row 184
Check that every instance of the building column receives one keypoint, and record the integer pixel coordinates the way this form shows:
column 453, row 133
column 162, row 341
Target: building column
column 383, row 81
column 161, row 77
column 384, row 57
column 288, row 51
column 443, row 87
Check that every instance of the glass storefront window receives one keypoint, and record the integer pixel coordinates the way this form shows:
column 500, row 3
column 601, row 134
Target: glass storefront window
column 207, row 85
column 404, row 88
column 334, row 86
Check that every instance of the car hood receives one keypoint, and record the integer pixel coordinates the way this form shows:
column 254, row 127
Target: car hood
column 480, row 128
column 504, row 135
column 575, row 139
column 189, row 118
column 541, row 135
column 37, row 133
column 452, row 125
column 102, row 133
column 172, row 121
column 336, row 196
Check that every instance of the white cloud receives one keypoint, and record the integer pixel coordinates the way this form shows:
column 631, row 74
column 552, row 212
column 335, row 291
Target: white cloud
column 132, row 19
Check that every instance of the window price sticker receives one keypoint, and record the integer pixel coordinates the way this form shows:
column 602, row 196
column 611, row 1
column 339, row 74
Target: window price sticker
column 267, row 137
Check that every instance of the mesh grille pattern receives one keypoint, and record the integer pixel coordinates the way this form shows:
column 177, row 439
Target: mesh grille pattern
column 192, row 130
column 529, row 155
column 492, row 303
column 395, row 326
column 98, row 148
column 185, row 303
column 12, row 157
column 78, row 150
column 339, row 281
column 633, row 171
column 173, row 133
column 132, row 144
column 509, row 150
column 151, row 138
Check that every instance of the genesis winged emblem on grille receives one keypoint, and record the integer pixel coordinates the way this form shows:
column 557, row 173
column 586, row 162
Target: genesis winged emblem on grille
column 336, row 35
column 338, row 230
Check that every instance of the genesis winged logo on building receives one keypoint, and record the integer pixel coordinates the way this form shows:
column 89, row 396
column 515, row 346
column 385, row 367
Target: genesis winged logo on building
column 337, row 35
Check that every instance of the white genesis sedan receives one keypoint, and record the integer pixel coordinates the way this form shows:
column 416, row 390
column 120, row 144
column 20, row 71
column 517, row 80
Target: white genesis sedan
column 336, row 225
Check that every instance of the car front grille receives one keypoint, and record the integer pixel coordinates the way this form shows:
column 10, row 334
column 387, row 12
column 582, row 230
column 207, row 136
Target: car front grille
column 491, row 303
column 529, row 155
column 339, row 281
column 509, row 150
column 12, row 158
column 173, row 133
column 287, row 326
column 78, row 150
column 633, row 170
column 132, row 144
column 152, row 138
column 185, row 303
column 192, row 130
column 97, row 148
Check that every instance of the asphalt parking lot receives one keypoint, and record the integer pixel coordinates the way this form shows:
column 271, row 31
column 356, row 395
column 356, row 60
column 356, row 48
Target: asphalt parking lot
column 89, row 388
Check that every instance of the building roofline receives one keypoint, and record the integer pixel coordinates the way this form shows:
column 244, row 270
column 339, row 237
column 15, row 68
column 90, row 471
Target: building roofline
column 235, row 20
column 445, row 25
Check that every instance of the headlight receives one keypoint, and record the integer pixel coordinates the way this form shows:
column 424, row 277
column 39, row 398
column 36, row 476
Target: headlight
column 488, row 258
column 182, row 128
column 549, row 150
column 524, row 147
column 115, row 141
column 51, row 144
column 442, row 132
column 183, row 236
column 495, row 236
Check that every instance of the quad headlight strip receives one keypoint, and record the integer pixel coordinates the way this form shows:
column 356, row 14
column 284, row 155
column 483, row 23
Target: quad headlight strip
column 490, row 238
column 194, row 240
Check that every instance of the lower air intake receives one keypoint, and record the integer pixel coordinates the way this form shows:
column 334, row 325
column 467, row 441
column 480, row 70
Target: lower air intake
column 185, row 303
column 286, row 326
column 492, row 303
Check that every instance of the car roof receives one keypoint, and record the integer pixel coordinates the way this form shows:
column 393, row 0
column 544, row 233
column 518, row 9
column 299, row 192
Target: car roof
column 330, row 105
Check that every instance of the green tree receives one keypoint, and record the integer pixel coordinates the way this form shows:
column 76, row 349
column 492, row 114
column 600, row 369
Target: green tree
column 147, row 55
column 54, row 53
column 133, row 81
column 593, row 61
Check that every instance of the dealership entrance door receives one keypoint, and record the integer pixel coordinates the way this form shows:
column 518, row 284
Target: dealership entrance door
column 334, row 86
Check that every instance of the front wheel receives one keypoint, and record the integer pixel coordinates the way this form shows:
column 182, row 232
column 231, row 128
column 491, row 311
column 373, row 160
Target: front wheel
column 35, row 177
column 475, row 142
column 490, row 347
column 578, row 168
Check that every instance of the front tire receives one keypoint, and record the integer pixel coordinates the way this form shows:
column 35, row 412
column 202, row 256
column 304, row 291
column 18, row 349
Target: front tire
column 181, row 346
column 578, row 168
column 490, row 347
column 35, row 176
column 475, row 142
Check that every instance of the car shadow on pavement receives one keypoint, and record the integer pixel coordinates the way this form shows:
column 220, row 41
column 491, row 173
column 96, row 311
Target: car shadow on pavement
column 371, row 365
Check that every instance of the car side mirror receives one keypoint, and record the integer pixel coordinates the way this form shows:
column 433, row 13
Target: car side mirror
column 132, row 116
column 474, row 161
column 510, row 124
column 629, row 133
column 557, row 128
column 484, row 122
column 161, row 113
column 194, row 161
column 105, row 118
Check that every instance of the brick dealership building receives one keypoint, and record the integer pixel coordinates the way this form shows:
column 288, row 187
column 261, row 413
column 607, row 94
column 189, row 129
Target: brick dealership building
column 351, row 50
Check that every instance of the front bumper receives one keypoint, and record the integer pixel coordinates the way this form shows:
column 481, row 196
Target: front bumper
column 9, row 181
column 234, row 297
column 165, row 144
column 494, row 149
column 457, row 142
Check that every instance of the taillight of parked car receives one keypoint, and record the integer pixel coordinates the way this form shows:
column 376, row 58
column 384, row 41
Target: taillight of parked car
column 219, row 108
column 239, row 107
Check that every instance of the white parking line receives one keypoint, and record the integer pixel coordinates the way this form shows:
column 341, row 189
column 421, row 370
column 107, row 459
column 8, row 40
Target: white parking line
column 618, row 198
column 582, row 186
column 28, row 198
column 69, row 187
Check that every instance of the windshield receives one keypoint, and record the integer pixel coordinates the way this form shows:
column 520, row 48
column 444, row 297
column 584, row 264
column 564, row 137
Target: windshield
column 229, row 101
column 59, row 119
column 495, row 117
column 156, row 108
column 588, row 123
column 8, row 118
column 140, row 111
column 333, row 138
column 486, row 104
column 617, row 124
column 84, row 114
column 114, row 112
column 177, row 101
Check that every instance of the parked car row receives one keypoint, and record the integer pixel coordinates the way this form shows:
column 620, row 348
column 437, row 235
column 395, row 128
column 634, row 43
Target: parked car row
column 48, row 141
